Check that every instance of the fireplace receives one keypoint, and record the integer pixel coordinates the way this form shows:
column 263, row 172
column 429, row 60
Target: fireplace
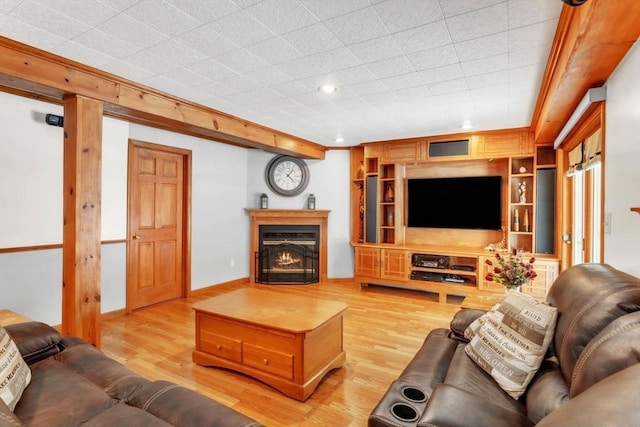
column 287, row 254
column 288, row 246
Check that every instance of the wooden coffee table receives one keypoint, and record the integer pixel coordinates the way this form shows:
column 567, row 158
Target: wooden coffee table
column 287, row 341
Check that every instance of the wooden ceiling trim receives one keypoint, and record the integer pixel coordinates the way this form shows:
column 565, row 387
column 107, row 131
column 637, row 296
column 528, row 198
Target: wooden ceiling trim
column 32, row 72
column 590, row 42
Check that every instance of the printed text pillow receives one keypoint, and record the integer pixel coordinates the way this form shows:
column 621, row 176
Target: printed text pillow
column 510, row 341
column 15, row 374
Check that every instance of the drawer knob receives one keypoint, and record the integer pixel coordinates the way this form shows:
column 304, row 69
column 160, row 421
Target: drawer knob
column 265, row 361
column 219, row 347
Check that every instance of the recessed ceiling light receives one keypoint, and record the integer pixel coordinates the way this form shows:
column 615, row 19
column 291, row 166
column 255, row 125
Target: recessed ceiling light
column 466, row 124
column 339, row 139
column 327, row 88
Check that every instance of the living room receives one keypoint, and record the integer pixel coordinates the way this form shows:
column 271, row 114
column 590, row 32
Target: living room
column 226, row 181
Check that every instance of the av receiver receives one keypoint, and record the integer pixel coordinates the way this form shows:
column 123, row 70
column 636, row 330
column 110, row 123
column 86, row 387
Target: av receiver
column 429, row 261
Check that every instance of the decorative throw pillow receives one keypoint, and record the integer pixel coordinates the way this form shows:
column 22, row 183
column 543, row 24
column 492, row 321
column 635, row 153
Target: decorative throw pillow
column 15, row 374
column 510, row 341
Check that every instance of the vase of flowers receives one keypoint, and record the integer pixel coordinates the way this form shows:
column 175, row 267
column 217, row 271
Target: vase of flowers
column 511, row 270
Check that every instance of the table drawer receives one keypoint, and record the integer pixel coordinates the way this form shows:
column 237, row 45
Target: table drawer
column 266, row 360
column 221, row 346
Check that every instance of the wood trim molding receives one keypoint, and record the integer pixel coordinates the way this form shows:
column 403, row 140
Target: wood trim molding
column 590, row 42
column 34, row 248
column 27, row 71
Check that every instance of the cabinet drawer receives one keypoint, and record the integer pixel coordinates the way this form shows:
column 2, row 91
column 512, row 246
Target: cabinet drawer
column 266, row 360
column 221, row 346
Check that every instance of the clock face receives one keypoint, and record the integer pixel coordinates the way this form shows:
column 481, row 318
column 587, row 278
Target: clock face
column 287, row 175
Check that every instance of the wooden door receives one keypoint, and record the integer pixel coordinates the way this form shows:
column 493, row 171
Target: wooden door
column 156, row 241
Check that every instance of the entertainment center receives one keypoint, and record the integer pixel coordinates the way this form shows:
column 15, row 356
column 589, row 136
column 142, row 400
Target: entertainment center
column 427, row 213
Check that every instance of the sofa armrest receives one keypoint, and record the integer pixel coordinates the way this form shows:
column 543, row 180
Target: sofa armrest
column 35, row 340
column 612, row 402
column 461, row 321
column 8, row 418
column 451, row 406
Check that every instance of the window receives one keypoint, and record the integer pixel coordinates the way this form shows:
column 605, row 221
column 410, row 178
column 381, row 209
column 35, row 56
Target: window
column 585, row 186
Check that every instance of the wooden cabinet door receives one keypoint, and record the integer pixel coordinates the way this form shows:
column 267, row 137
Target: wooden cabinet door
column 547, row 271
column 367, row 262
column 504, row 145
column 394, row 152
column 394, row 264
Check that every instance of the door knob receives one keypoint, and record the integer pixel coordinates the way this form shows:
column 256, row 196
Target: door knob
column 136, row 236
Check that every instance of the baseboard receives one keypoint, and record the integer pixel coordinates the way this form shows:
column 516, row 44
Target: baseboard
column 236, row 282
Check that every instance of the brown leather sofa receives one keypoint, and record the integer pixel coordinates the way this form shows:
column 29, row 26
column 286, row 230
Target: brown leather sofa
column 75, row 384
column 590, row 377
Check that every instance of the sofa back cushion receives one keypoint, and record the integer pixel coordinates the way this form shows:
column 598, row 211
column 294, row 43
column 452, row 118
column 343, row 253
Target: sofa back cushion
column 14, row 372
column 588, row 297
column 615, row 348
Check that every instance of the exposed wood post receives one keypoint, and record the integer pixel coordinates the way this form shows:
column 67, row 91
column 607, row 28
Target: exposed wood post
column 81, row 213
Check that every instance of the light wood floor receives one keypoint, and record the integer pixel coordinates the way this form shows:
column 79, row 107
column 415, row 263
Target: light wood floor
column 383, row 328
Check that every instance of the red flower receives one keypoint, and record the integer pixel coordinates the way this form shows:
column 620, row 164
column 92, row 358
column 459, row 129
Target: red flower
column 511, row 270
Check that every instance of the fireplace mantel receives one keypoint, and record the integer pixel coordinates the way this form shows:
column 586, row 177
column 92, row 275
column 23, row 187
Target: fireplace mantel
column 289, row 217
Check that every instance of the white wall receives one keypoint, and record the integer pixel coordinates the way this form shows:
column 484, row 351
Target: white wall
column 622, row 164
column 31, row 206
column 329, row 182
column 31, row 209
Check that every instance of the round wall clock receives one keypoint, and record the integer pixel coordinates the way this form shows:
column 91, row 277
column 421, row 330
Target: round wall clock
column 287, row 175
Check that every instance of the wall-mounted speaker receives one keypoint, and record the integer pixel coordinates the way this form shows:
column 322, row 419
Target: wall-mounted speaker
column 574, row 3
column 54, row 120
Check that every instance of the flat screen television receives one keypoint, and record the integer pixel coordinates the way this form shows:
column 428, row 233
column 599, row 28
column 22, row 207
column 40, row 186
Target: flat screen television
column 461, row 202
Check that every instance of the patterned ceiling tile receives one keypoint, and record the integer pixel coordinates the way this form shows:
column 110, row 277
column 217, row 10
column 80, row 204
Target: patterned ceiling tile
column 424, row 37
column 326, row 9
column 399, row 15
column 312, row 39
column 163, row 17
column 403, row 67
column 523, row 13
column 282, row 17
column 358, row 26
column 441, row 74
column 132, row 31
column 243, row 29
column 48, row 20
column 458, row 7
column 274, row 50
column 391, row 67
column 479, row 23
column 205, row 11
column 494, row 44
column 433, row 58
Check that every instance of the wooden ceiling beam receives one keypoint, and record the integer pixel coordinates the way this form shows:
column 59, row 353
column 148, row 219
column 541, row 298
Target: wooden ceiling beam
column 590, row 42
column 28, row 71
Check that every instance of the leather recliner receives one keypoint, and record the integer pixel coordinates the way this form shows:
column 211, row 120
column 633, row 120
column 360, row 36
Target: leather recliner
column 591, row 373
column 73, row 383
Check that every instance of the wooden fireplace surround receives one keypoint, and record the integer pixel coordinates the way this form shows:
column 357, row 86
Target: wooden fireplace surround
column 288, row 217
